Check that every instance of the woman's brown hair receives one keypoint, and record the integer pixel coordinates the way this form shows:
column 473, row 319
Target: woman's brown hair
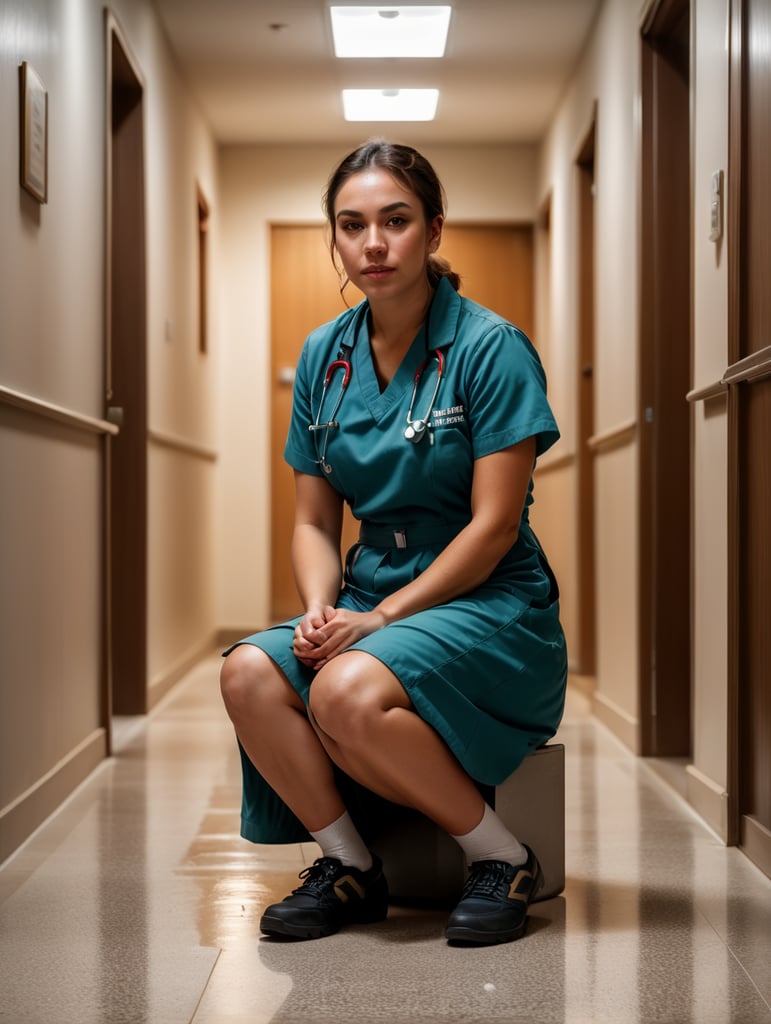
column 413, row 172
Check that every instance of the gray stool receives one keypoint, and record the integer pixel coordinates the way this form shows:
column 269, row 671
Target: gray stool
column 424, row 866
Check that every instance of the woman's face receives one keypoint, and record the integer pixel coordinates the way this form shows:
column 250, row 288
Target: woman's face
column 382, row 237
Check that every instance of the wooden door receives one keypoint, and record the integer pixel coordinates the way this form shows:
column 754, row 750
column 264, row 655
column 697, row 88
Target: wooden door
column 749, row 410
column 299, row 253
column 665, row 373
column 496, row 264
column 126, row 388
column 584, row 658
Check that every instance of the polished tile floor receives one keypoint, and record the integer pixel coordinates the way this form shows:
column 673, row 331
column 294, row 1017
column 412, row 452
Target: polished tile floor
column 139, row 903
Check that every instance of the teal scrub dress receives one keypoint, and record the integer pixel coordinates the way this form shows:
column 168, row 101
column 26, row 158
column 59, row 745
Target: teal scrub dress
column 488, row 669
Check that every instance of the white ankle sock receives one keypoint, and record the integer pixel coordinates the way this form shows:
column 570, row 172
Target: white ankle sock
column 342, row 840
column 491, row 840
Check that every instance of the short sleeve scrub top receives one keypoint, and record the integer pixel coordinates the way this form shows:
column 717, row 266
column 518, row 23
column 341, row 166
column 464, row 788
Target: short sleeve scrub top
column 488, row 669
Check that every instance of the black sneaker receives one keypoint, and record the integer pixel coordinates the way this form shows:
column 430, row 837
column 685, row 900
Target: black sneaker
column 493, row 907
column 331, row 895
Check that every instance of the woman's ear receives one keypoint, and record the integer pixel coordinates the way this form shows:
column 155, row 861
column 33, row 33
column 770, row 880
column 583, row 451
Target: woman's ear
column 435, row 233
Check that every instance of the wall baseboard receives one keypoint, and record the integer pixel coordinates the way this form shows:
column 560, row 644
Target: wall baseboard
column 708, row 799
column 583, row 684
column 228, row 635
column 756, row 843
column 27, row 812
column 624, row 726
column 164, row 681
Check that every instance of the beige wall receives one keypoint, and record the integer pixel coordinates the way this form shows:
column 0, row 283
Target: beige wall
column 609, row 75
column 264, row 185
column 182, row 382
column 707, row 776
column 606, row 80
column 52, row 727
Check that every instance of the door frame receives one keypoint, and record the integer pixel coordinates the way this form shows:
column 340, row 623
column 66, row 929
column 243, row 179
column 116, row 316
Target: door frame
column 734, row 213
column 742, row 372
column 664, row 375
column 125, row 386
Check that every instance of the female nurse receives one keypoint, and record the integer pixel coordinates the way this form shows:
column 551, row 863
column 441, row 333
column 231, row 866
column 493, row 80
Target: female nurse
column 434, row 659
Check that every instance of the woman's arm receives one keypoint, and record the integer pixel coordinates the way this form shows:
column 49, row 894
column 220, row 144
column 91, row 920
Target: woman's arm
column 316, row 540
column 498, row 495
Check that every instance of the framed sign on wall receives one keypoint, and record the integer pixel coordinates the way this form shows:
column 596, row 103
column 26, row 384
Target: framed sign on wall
column 34, row 133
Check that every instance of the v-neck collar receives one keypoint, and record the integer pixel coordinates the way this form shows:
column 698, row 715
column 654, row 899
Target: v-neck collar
column 441, row 323
column 379, row 402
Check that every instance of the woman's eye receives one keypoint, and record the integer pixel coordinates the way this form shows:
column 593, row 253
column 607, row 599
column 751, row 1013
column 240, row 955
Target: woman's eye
column 397, row 222
column 351, row 225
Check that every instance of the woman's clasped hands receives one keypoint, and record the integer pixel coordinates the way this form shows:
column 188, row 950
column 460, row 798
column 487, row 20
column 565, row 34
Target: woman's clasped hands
column 324, row 632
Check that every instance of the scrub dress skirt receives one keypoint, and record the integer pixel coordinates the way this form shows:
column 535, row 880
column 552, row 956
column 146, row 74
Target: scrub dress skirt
column 487, row 670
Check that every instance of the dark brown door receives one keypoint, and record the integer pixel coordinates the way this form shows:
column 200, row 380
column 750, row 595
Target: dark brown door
column 584, row 657
column 126, row 388
column 749, row 398
column 665, row 373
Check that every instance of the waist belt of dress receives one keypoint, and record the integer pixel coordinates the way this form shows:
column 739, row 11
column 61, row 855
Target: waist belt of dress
column 417, row 535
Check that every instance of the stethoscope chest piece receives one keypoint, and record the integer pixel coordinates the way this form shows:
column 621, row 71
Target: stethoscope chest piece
column 416, row 430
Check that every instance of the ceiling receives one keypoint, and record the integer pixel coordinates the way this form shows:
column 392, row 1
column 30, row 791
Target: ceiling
column 264, row 70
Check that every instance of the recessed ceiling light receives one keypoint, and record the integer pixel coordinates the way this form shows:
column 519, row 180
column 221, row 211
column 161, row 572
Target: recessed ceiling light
column 390, row 104
column 390, row 31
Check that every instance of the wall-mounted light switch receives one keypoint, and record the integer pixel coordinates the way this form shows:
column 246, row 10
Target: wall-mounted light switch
column 716, row 207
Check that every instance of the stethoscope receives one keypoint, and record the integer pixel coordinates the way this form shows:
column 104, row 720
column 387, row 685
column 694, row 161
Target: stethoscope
column 415, row 430
column 343, row 364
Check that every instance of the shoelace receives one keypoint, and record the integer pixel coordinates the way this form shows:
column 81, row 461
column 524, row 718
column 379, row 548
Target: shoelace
column 319, row 876
column 487, row 878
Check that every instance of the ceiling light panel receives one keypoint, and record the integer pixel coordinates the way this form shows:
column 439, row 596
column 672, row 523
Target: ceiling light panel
column 390, row 104
column 390, row 31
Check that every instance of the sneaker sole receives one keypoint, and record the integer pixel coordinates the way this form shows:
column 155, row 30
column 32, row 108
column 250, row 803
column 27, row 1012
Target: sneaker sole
column 278, row 926
column 472, row 937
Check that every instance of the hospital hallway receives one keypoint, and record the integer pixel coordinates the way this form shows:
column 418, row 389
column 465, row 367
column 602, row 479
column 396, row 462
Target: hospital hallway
column 138, row 903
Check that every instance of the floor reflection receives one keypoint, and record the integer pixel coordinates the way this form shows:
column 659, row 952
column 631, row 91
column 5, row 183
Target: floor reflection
column 139, row 902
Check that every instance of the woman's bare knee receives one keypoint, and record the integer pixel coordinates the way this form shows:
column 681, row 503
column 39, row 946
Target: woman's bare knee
column 249, row 678
column 333, row 698
column 350, row 692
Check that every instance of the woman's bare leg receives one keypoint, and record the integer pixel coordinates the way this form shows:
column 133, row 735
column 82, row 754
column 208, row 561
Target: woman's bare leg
column 368, row 727
column 273, row 727
column 271, row 722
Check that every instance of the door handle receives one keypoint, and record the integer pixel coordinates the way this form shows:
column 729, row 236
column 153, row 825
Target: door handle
column 286, row 375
